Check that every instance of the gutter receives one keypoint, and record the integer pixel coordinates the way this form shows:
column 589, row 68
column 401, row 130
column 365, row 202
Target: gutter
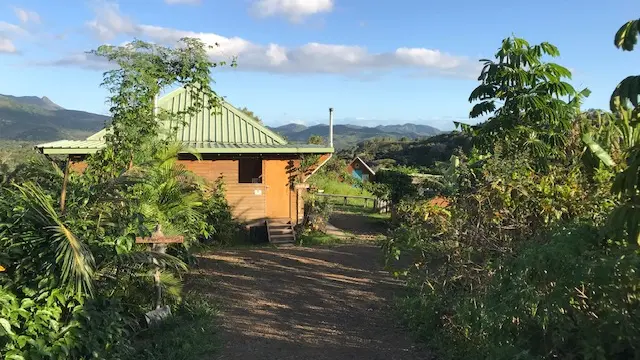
column 317, row 168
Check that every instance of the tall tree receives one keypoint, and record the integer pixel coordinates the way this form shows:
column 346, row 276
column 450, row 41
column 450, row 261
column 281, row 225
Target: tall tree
column 529, row 102
column 143, row 71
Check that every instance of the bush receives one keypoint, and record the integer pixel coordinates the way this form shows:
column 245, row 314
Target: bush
column 191, row 333
column 480, row 270
column 225, row 230
column 317, row 211
column 53, row 325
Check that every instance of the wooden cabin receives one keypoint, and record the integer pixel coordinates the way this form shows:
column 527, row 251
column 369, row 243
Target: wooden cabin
column 360, row 170
column 256, row 164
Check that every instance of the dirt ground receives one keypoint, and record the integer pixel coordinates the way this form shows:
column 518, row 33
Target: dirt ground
column 305, row 303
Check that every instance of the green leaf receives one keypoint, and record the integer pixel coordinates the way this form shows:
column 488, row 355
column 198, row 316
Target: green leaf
column 14, row 357
column 4, row 324
column 626, row 92
column 597, row 150
column 627, row 36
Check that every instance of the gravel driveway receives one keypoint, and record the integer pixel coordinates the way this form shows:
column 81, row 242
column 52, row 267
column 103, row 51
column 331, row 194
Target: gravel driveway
column 305, row 303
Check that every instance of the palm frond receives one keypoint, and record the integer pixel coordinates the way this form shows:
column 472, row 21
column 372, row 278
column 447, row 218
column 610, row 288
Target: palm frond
column 74, row 257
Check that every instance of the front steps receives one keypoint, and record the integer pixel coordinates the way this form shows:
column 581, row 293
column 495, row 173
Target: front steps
column 280, row 231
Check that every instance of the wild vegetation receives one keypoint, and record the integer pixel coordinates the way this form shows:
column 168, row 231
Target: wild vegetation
column 536, row 252
column 420, row 154
column 74, row 283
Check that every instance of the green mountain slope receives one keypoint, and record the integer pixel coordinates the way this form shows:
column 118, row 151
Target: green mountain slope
column 39, row 119
column 345, row 136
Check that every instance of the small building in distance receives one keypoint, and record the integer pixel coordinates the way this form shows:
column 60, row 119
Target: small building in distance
column 360, row 170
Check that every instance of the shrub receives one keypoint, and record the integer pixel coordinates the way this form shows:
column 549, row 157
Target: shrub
column 224, row 229
column 317, row 211
column 453, row 258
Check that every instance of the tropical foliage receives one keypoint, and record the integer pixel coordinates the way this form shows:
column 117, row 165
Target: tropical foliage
column 75, row 282
column 530, row 103
column 528, row 259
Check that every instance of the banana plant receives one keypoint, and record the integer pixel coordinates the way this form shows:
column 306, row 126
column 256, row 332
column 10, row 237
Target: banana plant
column 626, row 217
column 618, row 132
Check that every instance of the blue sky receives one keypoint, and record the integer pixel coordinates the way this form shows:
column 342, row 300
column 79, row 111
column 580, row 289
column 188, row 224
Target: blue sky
column 374, row 61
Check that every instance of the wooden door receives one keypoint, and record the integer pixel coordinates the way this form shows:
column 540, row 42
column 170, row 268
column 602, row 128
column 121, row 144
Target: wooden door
column 276, row 179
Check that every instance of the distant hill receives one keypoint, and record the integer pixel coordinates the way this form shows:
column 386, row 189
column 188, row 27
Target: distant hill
column 420, row 153
column 32, row 118
column 345, row 136
column 35, row 118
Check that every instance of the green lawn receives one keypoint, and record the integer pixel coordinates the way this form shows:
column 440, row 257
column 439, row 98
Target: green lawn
column 317, row 238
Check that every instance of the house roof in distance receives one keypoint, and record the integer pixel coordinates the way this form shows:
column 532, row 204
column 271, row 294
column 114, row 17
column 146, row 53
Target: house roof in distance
column 364, row 164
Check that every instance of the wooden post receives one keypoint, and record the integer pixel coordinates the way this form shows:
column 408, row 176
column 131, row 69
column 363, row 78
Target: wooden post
column 65, row 180
column 345, row 201
column 365, row 202
column 158, row 244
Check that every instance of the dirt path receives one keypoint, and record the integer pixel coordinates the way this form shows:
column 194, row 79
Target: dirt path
column 361, row 226
column 305, row 303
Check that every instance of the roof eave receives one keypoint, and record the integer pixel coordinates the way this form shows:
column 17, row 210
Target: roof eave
column 292, row 150
column 66, row 151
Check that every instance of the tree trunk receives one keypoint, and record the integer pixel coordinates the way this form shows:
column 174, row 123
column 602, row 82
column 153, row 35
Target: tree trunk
column 65, row 180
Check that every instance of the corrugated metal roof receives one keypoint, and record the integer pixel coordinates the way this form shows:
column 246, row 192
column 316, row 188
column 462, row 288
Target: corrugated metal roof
column 221, row 130
column 225, row 124
column 71, row 147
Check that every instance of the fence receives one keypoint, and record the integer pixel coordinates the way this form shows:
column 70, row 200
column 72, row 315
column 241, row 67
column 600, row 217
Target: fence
column 381, row 205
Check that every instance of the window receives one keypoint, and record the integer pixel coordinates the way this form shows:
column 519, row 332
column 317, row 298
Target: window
column 250, row 171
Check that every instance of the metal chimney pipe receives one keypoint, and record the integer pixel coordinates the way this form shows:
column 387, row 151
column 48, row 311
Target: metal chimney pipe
column 330, row 127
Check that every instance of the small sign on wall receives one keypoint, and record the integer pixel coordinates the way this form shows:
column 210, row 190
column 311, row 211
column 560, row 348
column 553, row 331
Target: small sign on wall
column 257, row 192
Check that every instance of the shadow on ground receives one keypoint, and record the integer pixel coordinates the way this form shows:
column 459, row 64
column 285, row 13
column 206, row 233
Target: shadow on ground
column 304, row 303
column 358, row 224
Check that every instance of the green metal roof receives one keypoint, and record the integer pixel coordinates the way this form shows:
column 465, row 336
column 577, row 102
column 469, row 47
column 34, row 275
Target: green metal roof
column 78, row 147
column 222, row 130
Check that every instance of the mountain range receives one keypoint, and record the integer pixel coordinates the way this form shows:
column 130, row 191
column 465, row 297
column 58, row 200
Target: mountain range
column 33, row 118
column 40, row 119
column 345, row 136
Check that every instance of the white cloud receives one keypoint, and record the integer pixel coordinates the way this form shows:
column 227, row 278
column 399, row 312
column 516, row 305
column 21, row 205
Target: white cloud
column 11, row 30
column 275, row 58
column 109, row 23
column 7, row 46
column 85, row 60
column 8, row 33
column 26, row 16
column 179, row 2
column 294, row 10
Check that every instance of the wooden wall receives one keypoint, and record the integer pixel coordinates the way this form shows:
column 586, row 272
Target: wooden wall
column 248, row 201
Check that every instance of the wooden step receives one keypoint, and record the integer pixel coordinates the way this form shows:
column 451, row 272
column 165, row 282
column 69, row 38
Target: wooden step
column 280, row 231
column 281, row 236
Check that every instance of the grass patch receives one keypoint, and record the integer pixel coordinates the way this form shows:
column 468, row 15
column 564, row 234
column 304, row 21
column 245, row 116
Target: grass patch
column 317, row 238
column 191, row 333
column 370, row 212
